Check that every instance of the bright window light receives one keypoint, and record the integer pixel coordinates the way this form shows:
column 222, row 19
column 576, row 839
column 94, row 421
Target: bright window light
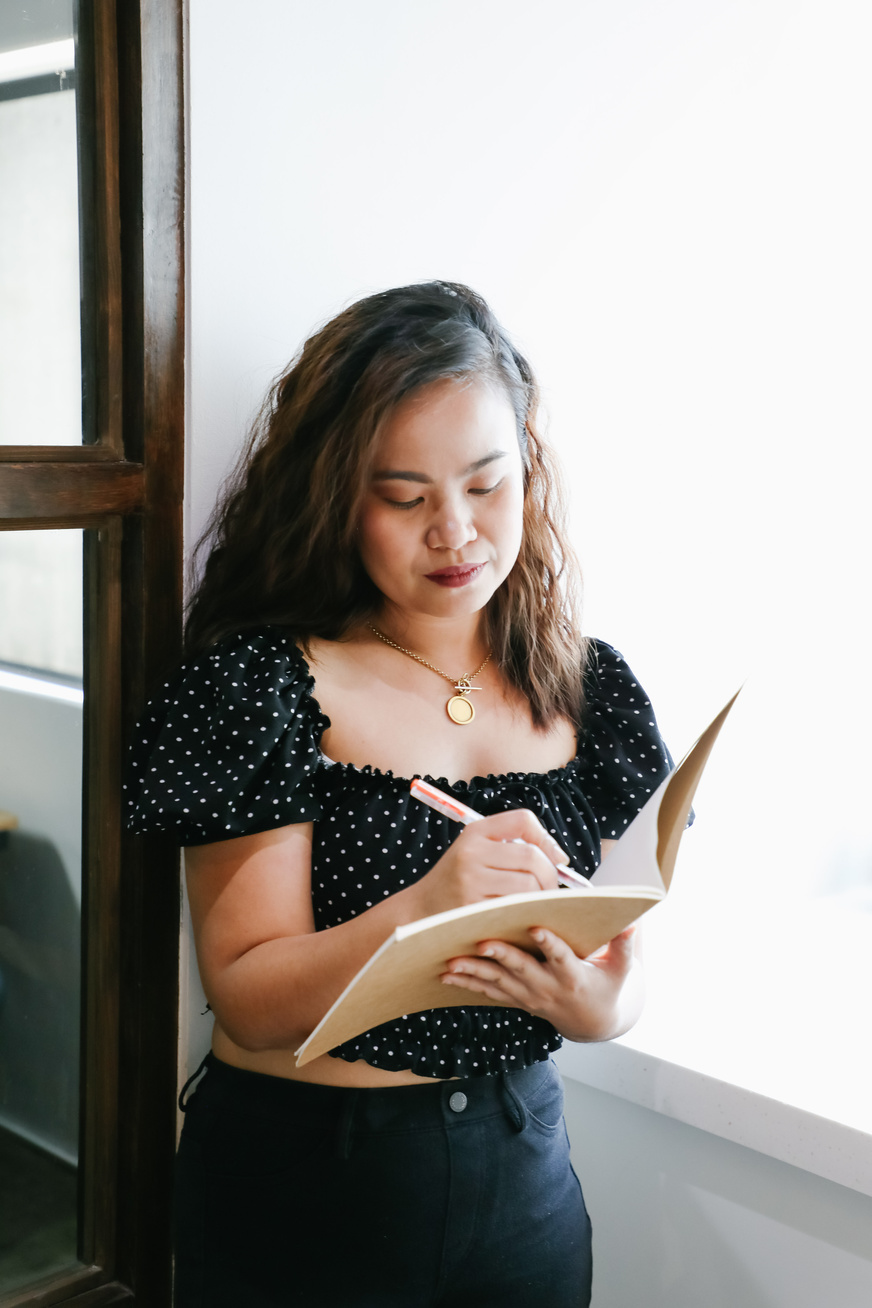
column 35, row 60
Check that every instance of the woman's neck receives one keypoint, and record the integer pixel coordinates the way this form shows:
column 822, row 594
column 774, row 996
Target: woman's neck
column 456, row 645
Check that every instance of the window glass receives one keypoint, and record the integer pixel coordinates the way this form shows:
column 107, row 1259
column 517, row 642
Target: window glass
column 40, row 910
column 40, row 361
column 41, row 601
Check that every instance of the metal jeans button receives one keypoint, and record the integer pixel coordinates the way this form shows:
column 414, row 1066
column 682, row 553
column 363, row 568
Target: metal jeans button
column 458, row 1101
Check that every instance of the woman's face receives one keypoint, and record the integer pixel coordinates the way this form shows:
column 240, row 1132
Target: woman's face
column 443, row 514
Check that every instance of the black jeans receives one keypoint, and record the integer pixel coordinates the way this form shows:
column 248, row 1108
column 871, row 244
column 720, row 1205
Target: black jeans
column 458, row 1194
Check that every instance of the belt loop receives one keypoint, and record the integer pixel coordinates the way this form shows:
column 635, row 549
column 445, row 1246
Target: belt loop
column 516, row 1109
column 343, row 1129
column 190, row 1081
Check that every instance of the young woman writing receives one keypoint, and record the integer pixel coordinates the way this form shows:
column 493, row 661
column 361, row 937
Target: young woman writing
column 389, row 594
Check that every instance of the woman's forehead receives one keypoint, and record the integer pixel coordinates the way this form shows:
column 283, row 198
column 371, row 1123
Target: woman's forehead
column 460, row 422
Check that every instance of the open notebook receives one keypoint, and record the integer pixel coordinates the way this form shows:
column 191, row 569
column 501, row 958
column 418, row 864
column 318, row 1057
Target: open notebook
column 402, row 976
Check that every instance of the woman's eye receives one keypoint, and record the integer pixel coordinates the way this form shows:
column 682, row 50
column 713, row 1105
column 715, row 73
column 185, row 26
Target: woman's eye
column 403, row 504
column 485, row 490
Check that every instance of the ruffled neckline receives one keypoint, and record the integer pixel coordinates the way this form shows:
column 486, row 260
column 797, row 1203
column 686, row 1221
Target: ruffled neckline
column 477, row 783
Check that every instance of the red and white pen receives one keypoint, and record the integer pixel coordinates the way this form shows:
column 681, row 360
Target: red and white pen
column 452, row 808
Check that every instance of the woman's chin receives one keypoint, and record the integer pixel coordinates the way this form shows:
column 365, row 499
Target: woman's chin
column 442, row 603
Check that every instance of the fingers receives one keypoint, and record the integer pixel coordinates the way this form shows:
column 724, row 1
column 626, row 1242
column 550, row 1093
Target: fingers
column 522, row 824
column 506, row 974
column 519, row 857
column 618, row 954
column 511, row 855
column 555, row 951
column 501, row 972
column 583, row 998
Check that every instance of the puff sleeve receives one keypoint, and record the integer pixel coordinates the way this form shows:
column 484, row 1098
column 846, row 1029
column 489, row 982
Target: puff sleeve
column 230, row 747
column 627, row 755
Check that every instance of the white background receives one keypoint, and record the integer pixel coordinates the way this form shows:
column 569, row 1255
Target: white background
column 668, row 204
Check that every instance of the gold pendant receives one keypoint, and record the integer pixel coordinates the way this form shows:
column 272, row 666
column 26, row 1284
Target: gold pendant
column 460, row 709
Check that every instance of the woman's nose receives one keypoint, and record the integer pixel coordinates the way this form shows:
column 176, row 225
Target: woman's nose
column 452, row 527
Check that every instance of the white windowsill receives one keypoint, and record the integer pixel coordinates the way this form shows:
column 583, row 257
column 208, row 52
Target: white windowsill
column 816, row 1144
column 31, row 683
column 767, row 1045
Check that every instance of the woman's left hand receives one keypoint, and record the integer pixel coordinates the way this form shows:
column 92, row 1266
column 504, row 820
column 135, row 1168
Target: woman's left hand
column 589, row 999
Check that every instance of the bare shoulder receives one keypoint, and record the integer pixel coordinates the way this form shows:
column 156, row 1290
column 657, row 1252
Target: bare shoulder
column 339, row 663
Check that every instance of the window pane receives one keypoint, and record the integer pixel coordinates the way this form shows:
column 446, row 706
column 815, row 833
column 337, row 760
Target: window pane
column 40, row 914
column 41, row 601
column 40, row 360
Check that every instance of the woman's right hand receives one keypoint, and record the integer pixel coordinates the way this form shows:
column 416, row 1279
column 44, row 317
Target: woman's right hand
column 506, row 854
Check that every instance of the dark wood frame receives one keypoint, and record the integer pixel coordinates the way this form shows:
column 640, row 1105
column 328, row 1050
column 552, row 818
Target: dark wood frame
column 125, row 485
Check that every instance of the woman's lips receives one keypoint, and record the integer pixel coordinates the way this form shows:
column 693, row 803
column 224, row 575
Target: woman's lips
column 461, row 574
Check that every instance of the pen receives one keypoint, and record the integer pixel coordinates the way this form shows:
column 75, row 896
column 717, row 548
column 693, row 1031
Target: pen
column 452, row 808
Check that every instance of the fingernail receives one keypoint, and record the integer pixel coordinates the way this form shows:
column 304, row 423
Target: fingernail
column 538, row 935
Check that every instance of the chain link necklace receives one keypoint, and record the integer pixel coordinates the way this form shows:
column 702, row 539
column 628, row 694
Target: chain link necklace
column 460, row 707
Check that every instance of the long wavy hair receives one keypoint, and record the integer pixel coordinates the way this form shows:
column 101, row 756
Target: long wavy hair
column 281, row 541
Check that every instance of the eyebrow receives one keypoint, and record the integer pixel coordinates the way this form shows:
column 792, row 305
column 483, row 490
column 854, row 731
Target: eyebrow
column 391, row 474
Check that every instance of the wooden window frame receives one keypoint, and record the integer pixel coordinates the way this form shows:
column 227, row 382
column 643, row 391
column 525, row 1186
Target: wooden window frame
column 125, row 486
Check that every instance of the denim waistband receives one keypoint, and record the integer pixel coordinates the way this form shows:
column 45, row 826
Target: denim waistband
column 384, row 1108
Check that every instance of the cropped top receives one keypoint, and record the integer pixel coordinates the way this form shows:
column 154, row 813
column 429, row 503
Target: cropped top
column 232, row 747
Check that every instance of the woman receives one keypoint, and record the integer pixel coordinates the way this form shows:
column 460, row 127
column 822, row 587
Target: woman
column 392, row 529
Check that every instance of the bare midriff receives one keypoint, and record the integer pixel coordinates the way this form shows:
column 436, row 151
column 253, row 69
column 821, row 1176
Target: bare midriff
column 322, row 1071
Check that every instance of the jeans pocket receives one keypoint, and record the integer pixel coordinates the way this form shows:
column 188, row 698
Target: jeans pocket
column 545, row 1103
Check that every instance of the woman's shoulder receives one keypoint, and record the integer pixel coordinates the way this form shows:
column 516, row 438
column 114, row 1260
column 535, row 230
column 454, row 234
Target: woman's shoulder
column 266, row 653
column 229, row 744
column 240, row 668
column 622, row 755
column 609, row 681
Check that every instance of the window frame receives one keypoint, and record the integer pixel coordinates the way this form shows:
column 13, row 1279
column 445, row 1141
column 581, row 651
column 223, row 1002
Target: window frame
column 125, row 484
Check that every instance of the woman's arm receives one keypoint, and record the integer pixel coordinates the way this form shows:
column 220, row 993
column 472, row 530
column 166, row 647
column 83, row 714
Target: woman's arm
column 590, row 999
column 269, row 976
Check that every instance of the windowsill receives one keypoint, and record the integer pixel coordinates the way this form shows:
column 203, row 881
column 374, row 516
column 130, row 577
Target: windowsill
column 45, row 685
column 766, row 1045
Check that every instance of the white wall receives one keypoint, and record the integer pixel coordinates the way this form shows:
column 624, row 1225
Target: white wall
column 667, row 202
column 683, row 1219
column 669, row 214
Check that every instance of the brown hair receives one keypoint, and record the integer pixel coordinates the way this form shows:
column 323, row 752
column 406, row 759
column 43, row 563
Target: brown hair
column 281, row 539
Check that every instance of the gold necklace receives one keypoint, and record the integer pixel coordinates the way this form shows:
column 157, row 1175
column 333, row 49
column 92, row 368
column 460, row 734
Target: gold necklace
column 460, row 707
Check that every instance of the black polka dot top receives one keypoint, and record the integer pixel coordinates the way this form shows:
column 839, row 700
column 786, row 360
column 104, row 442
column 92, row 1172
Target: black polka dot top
column 232, row 747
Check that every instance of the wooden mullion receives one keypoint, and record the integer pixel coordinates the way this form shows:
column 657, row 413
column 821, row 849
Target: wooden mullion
column 101, row 894
column 99, row 225
column 52, row 490
column 60, row 454
column 69, row 521
column 130, row 184
column 151, row 45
